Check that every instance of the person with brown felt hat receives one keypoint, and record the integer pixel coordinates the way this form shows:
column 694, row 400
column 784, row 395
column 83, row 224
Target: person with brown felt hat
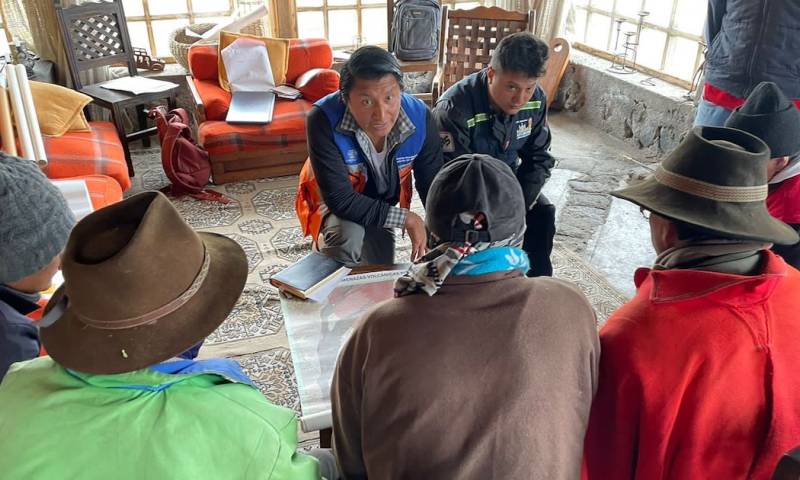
column 703, row 359
column 770, row 116
column 112, row 400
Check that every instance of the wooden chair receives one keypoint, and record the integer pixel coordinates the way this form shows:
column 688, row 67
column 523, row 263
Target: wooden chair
column 556, row 66
column 472, row 35
column 468, row 38
column 96, row 35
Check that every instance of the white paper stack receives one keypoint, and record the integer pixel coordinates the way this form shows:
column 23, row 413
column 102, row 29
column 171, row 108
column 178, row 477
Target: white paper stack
column 137, row 85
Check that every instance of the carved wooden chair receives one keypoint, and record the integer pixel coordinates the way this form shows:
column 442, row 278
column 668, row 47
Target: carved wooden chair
column 470, row 36
column 96, row 35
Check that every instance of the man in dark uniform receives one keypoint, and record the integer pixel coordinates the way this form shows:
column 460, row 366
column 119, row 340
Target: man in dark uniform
column 500, row 111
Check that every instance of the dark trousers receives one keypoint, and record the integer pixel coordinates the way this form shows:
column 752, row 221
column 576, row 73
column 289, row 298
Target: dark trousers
column 538, row 243
column 790, row 253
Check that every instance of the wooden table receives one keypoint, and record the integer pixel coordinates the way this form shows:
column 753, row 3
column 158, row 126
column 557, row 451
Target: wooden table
column 317, row 332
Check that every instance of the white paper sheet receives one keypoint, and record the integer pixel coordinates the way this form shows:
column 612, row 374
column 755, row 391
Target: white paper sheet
column 247, row 66
column 137, row 85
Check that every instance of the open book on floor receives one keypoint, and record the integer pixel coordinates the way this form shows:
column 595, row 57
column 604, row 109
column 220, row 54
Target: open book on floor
column 313, row 277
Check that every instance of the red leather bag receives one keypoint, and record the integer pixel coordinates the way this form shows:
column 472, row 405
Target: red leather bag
column 184, row 161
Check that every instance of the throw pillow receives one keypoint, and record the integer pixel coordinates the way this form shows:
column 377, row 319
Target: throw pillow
column 59, row 109
column 317, row 83
column 277, row 49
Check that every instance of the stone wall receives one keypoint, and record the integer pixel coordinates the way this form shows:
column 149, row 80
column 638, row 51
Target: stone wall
column 652, row 117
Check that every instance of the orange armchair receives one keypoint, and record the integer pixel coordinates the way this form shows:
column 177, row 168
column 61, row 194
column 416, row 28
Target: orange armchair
column 242, row 152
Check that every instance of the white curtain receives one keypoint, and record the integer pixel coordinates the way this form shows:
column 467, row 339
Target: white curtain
column 550, row 14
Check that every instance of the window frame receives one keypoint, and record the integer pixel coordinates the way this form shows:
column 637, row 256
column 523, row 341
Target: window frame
column 190, row 15
column 670, row 31
column 358, row 6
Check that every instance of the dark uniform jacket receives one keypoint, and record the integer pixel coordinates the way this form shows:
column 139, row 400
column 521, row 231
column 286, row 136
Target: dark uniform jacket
column 19, row 338
column 468, row 124
column 753, row 41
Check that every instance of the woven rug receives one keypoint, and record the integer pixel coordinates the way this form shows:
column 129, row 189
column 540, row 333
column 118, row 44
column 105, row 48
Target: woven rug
column 261, row 219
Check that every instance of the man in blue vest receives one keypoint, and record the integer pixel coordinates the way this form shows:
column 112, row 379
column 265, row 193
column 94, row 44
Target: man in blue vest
column 364, row 142
column 500, row 111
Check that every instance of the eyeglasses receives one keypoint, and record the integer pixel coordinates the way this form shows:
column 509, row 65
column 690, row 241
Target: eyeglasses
column 645, row 213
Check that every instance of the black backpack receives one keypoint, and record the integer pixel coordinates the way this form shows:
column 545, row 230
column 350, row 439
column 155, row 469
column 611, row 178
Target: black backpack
column 415, row 29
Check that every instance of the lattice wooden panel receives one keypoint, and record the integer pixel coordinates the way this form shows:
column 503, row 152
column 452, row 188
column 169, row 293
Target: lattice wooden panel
column 470, row 43
column 96, row 37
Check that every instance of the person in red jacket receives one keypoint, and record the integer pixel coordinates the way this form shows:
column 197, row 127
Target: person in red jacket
column 698, row 371
column 770, row 116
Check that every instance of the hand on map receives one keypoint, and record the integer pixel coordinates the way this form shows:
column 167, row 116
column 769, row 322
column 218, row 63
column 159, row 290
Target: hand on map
column 415, row 227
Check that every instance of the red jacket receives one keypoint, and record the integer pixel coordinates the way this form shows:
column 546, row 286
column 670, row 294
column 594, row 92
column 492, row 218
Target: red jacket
column 783, row 201
column 698, row 377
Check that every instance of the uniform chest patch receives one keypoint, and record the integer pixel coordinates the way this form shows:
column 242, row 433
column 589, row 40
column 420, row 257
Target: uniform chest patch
column 448, row 145
column 524, row 128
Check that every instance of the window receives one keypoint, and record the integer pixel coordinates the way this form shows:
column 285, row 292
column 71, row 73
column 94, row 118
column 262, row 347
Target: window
column 351, row 23
column 150, row 22
column 671, row 39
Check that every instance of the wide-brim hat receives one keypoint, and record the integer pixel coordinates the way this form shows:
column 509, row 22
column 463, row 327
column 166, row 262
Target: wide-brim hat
column 770, row 116
column 140, row 287
column 716, row 179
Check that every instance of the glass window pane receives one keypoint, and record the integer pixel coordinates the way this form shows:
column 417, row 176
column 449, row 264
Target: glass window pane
column 349, row 3
column 133, row 8
column 606, row 5
column 342, row 28
column 161, row 31
column 681, row 56
column 310, row 25
column 373, row 26
column 651, row 48
column 597, row 33
column 138, row 34
column 467, row 5
column 629, row 8
column 215, row 20
column 171, row 7
column 308, row 3
column 578, row 29
column 373, row 2
column 200, row 6
column 660, row 11
column 580, row 3
column 690, row 17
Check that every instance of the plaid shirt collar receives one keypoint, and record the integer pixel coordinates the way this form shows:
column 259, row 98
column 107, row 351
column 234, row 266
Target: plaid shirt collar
column 402, row 129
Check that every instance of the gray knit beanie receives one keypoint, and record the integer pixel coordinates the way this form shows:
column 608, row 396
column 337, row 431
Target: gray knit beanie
column 35, row 220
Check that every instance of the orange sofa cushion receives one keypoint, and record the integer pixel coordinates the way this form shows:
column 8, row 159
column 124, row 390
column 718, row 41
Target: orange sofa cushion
column 103, row 190
column 317, row 83
column 288, row 126
column 215, row 100
column 97, row 151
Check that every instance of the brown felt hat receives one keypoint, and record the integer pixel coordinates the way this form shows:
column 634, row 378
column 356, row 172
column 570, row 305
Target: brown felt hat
column 140, row 287
column 716, row 179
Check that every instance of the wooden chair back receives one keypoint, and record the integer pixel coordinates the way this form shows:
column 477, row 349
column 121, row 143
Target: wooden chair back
column 95, row 35
column 556, row 66
column 468, row 38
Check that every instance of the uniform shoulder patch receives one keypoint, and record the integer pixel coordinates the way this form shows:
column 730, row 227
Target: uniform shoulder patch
column 448, row 144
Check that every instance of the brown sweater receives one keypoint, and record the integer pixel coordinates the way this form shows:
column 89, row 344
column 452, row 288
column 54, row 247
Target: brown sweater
column 491, row 378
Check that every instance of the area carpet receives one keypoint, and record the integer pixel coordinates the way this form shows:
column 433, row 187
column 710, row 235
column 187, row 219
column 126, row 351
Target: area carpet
column 261, row 219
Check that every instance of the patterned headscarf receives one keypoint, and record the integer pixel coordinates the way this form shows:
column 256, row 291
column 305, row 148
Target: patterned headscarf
column 448, row 258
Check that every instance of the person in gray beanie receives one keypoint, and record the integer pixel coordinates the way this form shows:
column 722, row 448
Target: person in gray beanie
column 35, row 222
column 470, row 350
